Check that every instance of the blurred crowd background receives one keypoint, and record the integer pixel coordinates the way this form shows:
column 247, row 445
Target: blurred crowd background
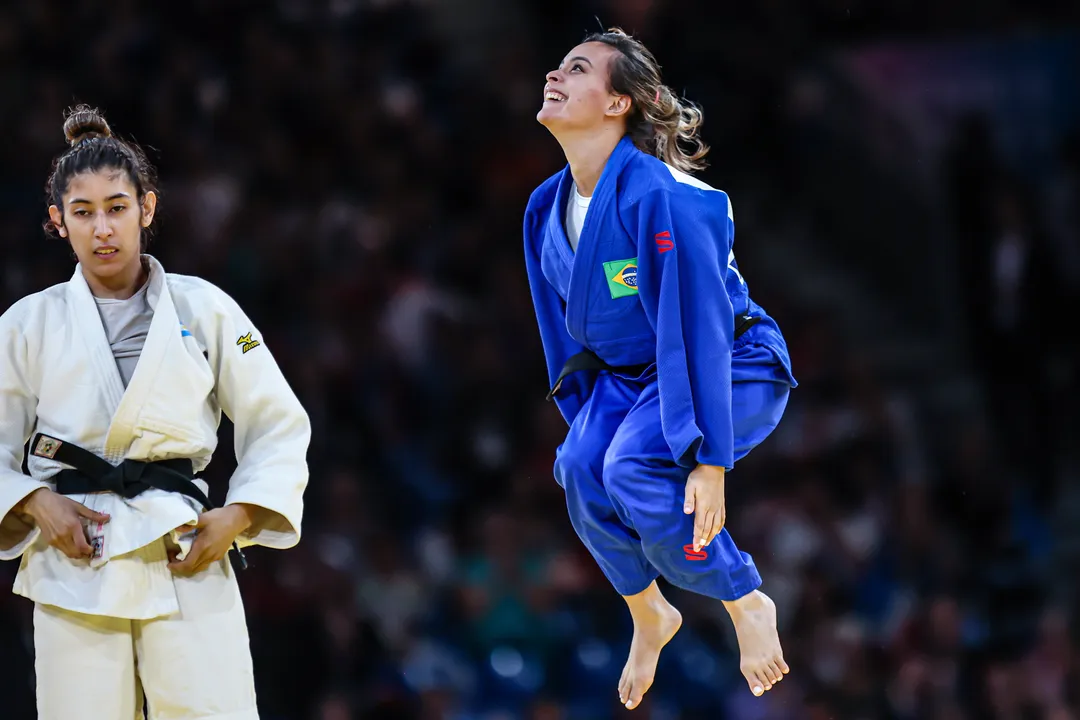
column 906, row 184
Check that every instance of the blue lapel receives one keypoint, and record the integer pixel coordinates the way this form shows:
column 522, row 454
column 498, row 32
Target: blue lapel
column 602, row 210
column 556, row 257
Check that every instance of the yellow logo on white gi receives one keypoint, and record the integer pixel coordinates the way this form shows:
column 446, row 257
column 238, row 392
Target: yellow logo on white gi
column 245, row 342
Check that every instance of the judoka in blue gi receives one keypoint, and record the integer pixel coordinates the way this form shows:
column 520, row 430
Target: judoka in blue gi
column 664, row 368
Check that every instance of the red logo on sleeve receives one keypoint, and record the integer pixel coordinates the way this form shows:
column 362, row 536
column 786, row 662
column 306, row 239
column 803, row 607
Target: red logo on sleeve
column 664, row 241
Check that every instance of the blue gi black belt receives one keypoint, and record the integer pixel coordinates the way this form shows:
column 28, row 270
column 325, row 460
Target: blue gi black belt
column 130, row 478
column 588, row 360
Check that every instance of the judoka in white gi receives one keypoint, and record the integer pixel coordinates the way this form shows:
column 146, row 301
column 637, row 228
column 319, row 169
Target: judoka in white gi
column 134, row 593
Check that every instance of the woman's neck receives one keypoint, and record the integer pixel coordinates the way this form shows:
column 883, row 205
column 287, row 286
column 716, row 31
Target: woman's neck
column 120, row 286
column 587, row 154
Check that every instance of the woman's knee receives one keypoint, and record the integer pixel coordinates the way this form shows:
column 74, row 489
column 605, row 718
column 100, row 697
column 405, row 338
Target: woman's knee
column 575, row 463
column 757, row 408
column 648, row 494
column 619, row 471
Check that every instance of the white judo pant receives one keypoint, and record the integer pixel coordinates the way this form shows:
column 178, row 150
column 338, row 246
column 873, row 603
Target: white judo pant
column 196, row 664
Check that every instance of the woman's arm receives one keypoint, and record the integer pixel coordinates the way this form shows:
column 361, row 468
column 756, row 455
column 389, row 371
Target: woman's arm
column 18, row 408
column 682, row 264
column 272, row 431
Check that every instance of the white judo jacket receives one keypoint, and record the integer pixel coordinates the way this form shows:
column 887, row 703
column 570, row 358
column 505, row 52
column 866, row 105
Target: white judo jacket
column 202, row 356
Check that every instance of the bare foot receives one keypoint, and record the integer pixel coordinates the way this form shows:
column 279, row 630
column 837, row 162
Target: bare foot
column 762, row 660
column 655, row 622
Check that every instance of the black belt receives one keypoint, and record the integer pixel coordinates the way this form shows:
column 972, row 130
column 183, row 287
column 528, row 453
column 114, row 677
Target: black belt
column 588, row 360
column 129, row 479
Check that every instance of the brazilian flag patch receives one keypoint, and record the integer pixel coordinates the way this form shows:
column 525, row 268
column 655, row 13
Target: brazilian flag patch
column 621, row 277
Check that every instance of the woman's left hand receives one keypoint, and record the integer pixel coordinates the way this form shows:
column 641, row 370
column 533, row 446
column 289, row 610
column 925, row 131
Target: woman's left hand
column 705, row 499
column 216, row 530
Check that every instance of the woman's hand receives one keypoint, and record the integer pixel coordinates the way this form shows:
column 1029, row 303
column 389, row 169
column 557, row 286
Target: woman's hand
column 705, row 498
column 215, row 532
column 61, row 521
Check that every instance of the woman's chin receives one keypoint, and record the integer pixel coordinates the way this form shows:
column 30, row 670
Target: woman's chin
column 550, row 116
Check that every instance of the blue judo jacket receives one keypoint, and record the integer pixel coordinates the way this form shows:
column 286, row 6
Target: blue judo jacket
column 654, row 281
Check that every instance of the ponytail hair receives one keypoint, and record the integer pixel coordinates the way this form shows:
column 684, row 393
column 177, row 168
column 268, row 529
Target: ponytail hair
column 660, row 123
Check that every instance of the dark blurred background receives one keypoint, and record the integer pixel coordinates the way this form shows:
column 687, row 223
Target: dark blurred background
column 906, row 183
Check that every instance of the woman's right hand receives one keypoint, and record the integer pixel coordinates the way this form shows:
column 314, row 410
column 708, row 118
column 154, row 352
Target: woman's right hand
column 61, row 521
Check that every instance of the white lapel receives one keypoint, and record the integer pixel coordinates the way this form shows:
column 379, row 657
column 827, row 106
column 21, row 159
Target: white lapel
column 164, row 331
column 86, row 323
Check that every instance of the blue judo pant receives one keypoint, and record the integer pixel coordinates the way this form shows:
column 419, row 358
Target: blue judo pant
column 625, row 492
